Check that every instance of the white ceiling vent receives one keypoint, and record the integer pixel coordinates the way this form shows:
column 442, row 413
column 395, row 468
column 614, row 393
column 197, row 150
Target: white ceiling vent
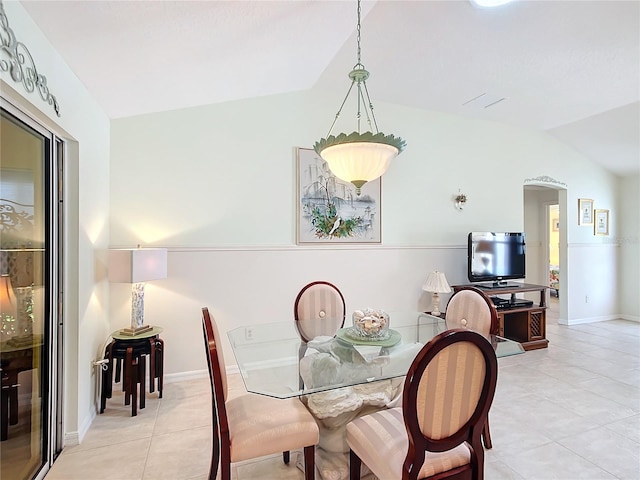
column 483, row 101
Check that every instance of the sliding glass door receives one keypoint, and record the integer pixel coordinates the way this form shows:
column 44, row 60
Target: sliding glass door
column 30, row 311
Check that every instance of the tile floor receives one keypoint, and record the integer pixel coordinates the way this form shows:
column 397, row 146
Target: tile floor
column 571, row 411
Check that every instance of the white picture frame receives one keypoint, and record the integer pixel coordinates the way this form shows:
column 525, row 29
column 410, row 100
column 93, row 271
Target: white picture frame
column 329, row 210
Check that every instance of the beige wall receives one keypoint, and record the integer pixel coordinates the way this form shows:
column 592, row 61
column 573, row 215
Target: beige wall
column 219, row 191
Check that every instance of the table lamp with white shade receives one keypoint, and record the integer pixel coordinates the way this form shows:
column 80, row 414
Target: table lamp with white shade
column 8, row 311
column 436, row 283
column 137, row 266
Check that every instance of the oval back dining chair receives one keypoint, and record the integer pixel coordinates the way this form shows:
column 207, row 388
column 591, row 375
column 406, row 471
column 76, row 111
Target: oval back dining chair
column 319, row 309
column 437, row 432
column 471, row 308
column 252, row 426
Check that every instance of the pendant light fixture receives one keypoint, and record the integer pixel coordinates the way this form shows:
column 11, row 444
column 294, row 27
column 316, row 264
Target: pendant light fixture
column 359, row 157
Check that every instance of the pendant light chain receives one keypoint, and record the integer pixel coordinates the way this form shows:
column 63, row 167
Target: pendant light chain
column 359, row 157
column 360, row 80
column 358, row 37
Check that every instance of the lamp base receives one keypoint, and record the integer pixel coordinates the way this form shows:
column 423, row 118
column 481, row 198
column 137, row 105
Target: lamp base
column 136, row 331
column 435, row 310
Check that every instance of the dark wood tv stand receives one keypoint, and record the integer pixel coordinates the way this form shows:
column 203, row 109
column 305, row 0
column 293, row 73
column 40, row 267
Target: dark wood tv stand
column 524, row 324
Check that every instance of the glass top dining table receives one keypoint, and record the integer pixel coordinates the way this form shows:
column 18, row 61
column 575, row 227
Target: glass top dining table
column 273, row 361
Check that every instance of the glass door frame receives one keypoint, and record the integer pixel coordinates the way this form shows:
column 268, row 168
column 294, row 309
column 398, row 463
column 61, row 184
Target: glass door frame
column 52, row 364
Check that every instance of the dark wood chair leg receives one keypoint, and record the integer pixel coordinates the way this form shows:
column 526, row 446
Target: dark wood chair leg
column 107, row 377
column 225, row 470
column 486, row 435
column 354, row 466
column 160, row 364
column 127, row 383
column 4, row 413
column 103, row 389
column 215, row 452
column 152, row 365
column 13, row 399
column 133, row 378
column 118, row 369
column 286, row 457
column 309, row 463
column 142, row 369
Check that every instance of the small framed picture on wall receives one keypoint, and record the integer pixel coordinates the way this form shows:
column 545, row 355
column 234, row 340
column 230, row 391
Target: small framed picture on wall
column 601, row 226
column 585, row 211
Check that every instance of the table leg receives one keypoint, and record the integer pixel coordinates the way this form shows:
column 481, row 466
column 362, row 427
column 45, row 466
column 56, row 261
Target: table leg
column 141, row 370
column 128, row 371
column 13, row 398
column 152, row 365
column 107, row 378
column 133, row 376
column 118, row 369
column 4, row 413
column 159, row 373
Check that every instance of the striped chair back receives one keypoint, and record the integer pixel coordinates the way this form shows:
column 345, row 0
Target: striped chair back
column 472, row 309
column 319, row 309
column 447, row 395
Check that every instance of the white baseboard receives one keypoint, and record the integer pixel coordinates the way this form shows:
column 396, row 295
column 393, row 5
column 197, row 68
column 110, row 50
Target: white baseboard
column 195, row 375
column 603, row 318
column 75, row 438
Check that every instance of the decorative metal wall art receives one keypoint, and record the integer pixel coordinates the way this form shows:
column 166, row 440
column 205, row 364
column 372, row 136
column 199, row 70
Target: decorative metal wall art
column 16, row 59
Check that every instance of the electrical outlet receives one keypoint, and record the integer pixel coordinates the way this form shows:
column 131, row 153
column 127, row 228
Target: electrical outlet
column 586, row 299
column 248, row 333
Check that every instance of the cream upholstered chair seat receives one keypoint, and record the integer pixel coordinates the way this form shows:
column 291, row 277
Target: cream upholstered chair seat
column 251, row 426
column 260, row 426
column 382, row 444
column 437, row 432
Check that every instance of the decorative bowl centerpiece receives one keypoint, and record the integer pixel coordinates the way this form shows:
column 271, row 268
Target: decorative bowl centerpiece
column 370, row 324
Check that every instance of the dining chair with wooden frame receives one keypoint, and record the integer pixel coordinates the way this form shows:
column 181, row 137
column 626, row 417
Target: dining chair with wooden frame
column 251, row 426
column 437, row 432
column 471, row 308
column 319, row 309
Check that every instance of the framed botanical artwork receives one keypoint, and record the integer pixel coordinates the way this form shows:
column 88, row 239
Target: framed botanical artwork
column 601, row 225
column 329, row 210
column 555, row 225
column 585, row 211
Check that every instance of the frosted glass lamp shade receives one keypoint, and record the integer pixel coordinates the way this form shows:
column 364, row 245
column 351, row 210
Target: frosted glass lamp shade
column 359, row 162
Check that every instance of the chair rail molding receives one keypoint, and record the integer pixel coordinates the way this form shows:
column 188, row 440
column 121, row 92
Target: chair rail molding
column 17, row 60
column 546, row 181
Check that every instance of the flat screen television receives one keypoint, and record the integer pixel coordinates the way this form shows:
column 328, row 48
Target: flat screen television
column 496, row 257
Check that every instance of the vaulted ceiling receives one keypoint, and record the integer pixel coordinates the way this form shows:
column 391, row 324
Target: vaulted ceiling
column 571, row 68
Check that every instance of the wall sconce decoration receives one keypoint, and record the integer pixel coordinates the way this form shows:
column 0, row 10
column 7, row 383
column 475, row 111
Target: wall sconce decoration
column 460, row 200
